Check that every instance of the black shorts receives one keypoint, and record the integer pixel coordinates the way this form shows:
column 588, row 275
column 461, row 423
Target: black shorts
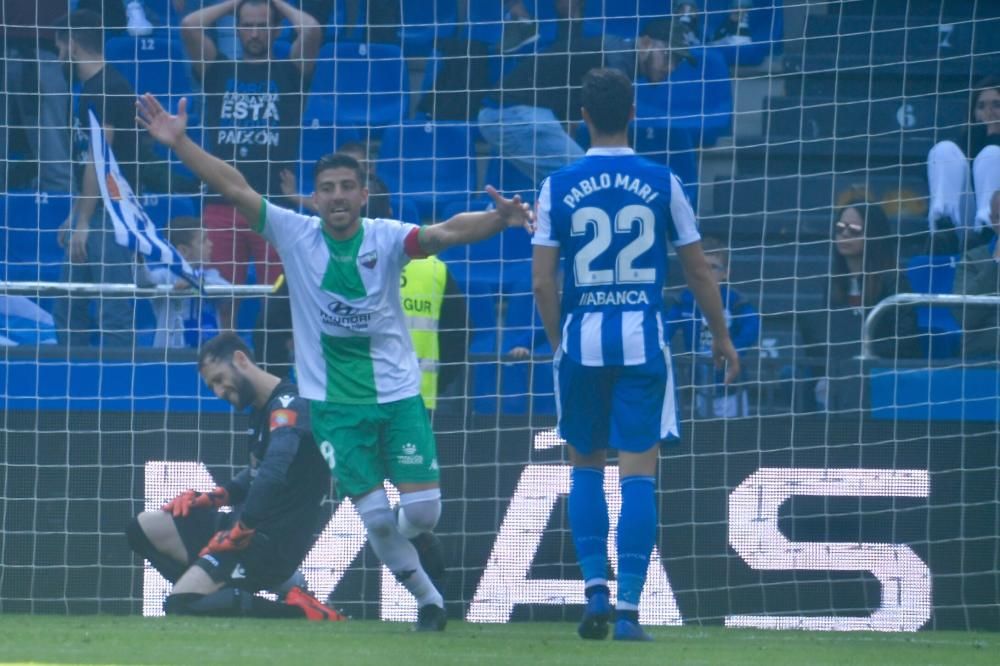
column 266, row 562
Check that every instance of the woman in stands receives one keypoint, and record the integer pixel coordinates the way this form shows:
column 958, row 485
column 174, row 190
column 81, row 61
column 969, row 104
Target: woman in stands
column 863, row 271
column 954, row 204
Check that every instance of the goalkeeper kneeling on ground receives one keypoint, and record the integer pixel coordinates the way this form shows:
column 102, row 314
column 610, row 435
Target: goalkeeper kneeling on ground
column 218, row 561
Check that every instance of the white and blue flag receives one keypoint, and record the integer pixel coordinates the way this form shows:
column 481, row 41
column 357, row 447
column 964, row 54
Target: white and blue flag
column 133, row 228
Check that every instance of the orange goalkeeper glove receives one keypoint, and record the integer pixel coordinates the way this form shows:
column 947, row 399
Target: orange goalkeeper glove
column 181, row 505
column 236, row 538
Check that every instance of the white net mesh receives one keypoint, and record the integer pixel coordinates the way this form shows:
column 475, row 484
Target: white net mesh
column 833, row 486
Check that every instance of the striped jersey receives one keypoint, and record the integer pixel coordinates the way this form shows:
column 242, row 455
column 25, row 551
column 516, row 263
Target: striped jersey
column 351, row 341
column 611, row 214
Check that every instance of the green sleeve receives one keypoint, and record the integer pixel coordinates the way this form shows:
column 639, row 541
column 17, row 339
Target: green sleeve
column 261, row 221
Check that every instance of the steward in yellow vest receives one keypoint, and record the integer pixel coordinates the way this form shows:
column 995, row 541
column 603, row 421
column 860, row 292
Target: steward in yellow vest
column 435, row 315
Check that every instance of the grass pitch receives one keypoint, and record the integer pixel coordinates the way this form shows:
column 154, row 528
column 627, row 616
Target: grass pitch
column 134, row 640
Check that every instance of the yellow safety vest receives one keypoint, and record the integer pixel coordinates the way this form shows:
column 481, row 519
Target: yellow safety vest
column 421, row 289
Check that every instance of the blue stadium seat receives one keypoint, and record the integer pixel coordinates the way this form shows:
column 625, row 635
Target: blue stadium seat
column 498, row 264
column 616, row 17
column 422, row 22
column 358, row 85
column 319, row 139
column 425, row 21
column 935, row 275
column 30, row 235
column 486, row 20
column 152, row 64
column 335, row 25
column 477, row 266
column 429, row 163
column 510, row 180
column 405, row 209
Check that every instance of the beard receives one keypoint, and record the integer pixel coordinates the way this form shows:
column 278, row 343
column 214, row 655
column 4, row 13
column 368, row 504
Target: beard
column 245, row 392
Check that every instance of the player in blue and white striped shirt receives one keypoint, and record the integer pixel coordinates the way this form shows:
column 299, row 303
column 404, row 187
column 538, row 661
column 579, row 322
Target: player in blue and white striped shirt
column 610, row 215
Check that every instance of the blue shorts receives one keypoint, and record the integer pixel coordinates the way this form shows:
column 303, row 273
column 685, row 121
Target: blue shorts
column 629, row 408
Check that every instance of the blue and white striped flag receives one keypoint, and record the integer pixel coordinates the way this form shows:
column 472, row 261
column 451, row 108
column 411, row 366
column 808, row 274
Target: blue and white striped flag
column 133, row 228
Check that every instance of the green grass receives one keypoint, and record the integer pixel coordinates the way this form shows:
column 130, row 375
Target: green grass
column 133, row 640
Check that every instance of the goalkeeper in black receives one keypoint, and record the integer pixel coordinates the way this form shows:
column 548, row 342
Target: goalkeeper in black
column 217, row 561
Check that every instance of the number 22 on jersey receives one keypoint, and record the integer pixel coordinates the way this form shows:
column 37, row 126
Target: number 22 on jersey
column 625, row 270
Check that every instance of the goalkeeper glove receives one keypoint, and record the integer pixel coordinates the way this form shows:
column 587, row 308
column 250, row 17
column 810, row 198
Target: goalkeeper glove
column 236, row 538
column 181, row 505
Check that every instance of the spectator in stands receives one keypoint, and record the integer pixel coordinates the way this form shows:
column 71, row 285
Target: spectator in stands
column 225, row 28
column 735, row 30
column 524, row 119
column 686, row 13
column 252, row 117
column 190, row 321
column 36, row 106
column 863, row 271
column 92, row 254
column 978, row 274
column 712, row 399
column 959, row 200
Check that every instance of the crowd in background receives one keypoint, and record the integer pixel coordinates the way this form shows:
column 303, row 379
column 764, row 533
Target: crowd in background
column 252, row 64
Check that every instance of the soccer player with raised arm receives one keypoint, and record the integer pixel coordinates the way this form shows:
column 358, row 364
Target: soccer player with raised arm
column 217, row 561
column 353, row 355
column 610, row 215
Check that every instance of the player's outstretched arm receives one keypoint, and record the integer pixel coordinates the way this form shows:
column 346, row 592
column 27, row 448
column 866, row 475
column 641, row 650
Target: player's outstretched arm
column 171, row 131
column 706, row 292
column 466, row 228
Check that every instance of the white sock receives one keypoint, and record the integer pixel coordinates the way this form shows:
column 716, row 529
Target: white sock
column 394, row 550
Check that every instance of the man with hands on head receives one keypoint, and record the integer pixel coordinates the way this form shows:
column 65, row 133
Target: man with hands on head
column 354, row 358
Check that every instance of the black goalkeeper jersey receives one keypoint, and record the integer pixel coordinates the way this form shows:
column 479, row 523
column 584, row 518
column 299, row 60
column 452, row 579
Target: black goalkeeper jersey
column 282, row 488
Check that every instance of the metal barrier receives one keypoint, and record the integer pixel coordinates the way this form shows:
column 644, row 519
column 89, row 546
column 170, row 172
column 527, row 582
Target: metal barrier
column 128, row 290
column 895, row 301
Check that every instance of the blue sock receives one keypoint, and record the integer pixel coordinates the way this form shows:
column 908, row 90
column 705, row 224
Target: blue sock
column 588, row 519
column 636, row 536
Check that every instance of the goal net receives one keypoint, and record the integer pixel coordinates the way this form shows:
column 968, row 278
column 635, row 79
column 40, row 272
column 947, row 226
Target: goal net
column 841, row 158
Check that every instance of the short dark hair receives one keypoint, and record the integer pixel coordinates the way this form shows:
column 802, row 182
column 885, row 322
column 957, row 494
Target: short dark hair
column 222, row 348
column 339, row 161
column 671, row 33
column 84, row 27
column 182, row 230
column 273, row 13
column 607, row 96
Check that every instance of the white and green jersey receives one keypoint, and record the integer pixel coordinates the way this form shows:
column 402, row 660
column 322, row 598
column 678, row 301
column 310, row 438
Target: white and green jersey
column 351, row 341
